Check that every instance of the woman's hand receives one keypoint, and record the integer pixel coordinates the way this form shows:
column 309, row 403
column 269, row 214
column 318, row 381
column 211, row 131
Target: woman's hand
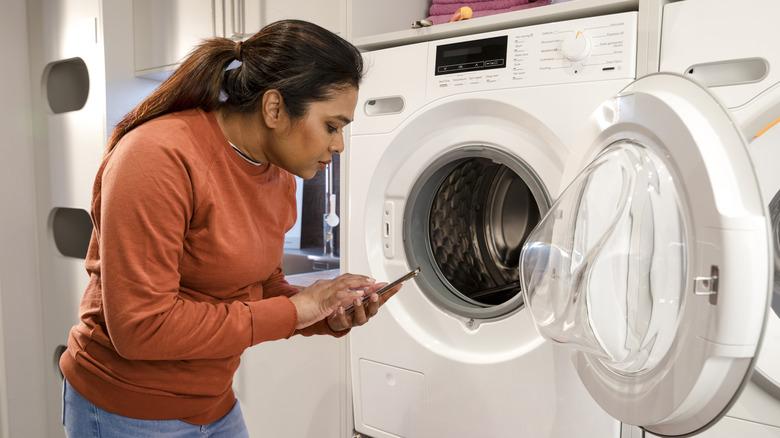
column 323, row 297
column 362, row 311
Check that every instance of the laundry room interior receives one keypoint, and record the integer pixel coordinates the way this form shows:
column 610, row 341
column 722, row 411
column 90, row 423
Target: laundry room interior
column 384, row 219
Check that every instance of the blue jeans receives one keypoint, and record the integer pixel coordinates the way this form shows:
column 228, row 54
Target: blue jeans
column 82, row 419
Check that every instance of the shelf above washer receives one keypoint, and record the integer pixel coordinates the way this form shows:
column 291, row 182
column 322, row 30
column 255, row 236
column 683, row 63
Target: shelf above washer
column 526, row 17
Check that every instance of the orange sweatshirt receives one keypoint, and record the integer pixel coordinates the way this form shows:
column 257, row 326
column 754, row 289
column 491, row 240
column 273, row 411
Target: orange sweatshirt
column 184, row 272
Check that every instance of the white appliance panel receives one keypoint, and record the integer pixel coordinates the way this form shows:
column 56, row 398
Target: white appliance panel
column 535, row 56
column 701, row 32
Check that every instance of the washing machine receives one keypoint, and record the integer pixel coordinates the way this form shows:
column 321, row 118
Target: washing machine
column 594, row 248
column 734, row 52
column 457, row 150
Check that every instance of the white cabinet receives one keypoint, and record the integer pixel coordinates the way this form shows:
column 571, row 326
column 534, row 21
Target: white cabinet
column 295, row 388
column 330, row 14
column 165, row 31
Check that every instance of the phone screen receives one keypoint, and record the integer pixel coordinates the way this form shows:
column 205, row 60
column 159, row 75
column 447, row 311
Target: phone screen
column 411, row 274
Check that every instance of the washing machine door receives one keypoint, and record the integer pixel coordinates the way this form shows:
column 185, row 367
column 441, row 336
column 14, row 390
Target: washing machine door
column 654, row 263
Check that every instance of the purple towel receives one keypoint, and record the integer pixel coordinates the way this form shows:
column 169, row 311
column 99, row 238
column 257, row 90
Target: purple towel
column 439, row 19
column 450, row 8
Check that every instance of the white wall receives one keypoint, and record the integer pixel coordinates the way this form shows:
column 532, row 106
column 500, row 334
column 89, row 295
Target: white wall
column 68, row 148
column 21, row 348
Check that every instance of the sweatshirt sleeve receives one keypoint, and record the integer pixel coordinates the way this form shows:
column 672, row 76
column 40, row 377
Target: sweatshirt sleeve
column 147, row 200
column 277, row 285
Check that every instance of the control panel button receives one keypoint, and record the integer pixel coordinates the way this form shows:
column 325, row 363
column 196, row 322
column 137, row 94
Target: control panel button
column 576, row 47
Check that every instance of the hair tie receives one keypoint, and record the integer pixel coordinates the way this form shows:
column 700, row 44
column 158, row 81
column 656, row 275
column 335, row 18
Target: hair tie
column 239, row 48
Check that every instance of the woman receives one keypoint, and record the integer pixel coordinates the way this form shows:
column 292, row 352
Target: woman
column 190, row 207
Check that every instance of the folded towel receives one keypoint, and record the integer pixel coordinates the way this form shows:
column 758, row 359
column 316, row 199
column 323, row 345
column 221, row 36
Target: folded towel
column 445, row 18
column 460, row 2
column 450, row 8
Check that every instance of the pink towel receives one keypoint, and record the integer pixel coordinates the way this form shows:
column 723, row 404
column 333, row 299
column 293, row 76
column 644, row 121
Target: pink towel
column 439, row 19
column 451, row 8
column 446, row 2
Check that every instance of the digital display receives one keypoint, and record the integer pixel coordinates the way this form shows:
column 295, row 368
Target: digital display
column 484, row 54
column 462, row 51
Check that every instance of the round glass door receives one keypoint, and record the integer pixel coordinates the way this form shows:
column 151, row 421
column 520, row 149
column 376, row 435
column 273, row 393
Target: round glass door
column 606, row 270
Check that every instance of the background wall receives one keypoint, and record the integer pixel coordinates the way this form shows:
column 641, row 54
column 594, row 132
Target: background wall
column 21, row 354
column 314, row 208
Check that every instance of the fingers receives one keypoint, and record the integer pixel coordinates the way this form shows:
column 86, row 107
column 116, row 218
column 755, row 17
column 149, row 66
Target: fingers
column 339, row 320
column 324, row 298
column 352, row 281
column 345, row 297
column 345, row 281
column 372, row 305
column 354, row 277
column 347, row 287
column 359, row 316
column 357, row 292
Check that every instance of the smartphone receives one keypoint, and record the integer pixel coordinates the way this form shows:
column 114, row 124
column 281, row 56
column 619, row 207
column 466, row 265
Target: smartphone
column 386, row 288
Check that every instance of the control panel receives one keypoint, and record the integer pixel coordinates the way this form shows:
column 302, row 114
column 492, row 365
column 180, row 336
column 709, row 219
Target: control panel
column 471, row 56
column 587, row 49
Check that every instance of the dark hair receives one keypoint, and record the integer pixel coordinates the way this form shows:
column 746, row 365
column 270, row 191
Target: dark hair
column 305, row 62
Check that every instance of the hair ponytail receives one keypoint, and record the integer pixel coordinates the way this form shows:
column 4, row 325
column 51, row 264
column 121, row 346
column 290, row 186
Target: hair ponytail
column 301, row 60
column 195, row 84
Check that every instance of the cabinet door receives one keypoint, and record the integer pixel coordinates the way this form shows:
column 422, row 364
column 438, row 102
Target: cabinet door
column 270, row 375
column 330, row 14
column 165, row 31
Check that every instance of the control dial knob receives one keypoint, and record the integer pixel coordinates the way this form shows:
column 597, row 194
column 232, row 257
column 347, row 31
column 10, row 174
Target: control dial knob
column 576, row 47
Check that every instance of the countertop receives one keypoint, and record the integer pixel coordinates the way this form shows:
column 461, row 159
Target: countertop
column 312, row 254
column 307, row 278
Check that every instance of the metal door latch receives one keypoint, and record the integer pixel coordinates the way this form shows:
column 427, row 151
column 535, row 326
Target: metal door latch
column 706, row 285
